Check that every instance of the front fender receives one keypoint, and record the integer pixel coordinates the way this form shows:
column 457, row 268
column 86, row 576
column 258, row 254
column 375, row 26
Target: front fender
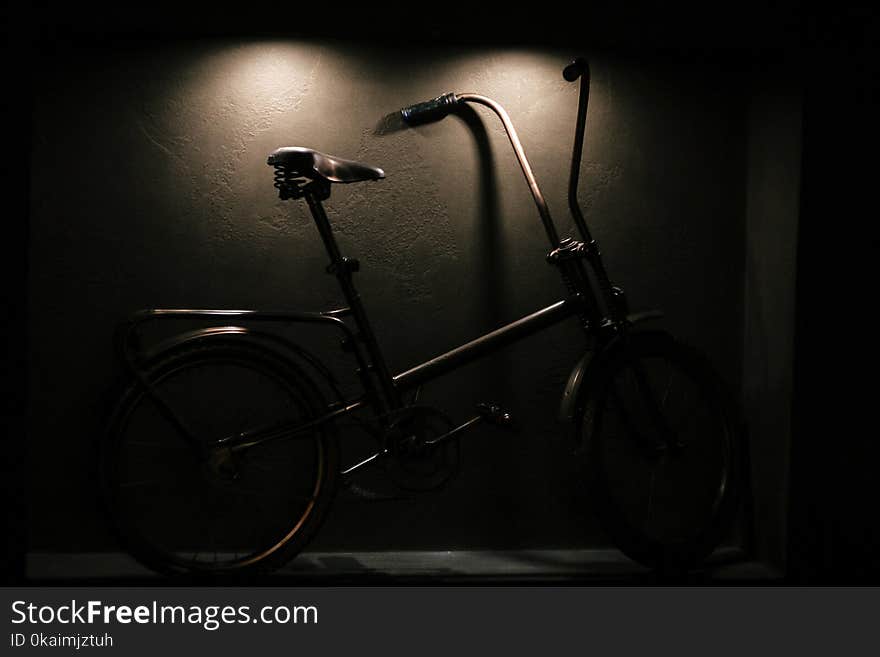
column 568, row 404
column 588, row 363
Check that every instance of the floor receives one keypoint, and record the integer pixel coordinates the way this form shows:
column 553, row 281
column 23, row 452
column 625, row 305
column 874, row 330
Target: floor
column 557, row 566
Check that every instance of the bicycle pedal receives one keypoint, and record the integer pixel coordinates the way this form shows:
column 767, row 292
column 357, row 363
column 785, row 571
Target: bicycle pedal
column 495, row 414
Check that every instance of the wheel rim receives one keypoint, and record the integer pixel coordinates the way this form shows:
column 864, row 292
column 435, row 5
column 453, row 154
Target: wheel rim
column 666, row 498
column 219, row 511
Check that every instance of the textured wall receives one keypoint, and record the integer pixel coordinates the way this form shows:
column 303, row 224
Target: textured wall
column 150, row 188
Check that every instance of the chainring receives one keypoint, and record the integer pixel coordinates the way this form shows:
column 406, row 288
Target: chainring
column 415, row 465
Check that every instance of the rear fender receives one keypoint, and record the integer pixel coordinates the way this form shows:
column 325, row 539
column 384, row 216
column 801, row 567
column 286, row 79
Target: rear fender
column 273, row 345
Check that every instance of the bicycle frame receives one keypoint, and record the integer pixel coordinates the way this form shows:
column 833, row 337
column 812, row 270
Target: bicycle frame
column 382, row 390
column 407, row 380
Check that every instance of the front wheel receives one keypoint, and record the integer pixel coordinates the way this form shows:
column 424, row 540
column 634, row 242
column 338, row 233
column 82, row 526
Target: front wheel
column 665, row 451
column 183, row 505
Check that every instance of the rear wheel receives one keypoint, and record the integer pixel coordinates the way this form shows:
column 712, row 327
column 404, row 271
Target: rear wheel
column 664, row 447
column 182, row 504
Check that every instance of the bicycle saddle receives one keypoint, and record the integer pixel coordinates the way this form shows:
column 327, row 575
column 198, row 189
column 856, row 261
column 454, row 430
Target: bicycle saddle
column 312, row 164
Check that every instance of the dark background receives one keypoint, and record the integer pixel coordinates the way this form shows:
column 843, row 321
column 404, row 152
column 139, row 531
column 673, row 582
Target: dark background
column 678, row 64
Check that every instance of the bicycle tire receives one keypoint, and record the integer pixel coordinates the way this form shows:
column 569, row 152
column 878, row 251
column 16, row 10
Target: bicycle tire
column 623, row 444
column 169, row 523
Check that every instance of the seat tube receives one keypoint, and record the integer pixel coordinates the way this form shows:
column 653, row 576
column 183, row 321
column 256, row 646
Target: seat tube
column 343, row 268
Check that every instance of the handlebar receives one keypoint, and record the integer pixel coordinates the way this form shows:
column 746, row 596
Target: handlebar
column 575, row 69
column 430, row 110
column 437, row 108
column 578, row 68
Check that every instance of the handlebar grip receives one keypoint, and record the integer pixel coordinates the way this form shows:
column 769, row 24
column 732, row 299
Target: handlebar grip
column 430, row 110
column 575, row 69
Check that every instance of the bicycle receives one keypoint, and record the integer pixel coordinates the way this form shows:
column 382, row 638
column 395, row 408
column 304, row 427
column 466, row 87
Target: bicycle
column 194, row 487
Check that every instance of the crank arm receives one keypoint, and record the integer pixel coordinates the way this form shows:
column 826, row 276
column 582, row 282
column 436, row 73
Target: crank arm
column 455, row 432
column 491, row 413
column 366, row 461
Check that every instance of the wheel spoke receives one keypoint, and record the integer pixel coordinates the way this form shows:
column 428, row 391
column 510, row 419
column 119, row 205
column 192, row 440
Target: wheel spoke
column 660, row 509
column 193, row 514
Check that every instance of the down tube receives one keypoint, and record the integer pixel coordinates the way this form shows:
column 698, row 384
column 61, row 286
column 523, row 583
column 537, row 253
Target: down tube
column 490, row 342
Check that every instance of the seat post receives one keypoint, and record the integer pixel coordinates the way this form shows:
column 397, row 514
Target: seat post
column 343, row 268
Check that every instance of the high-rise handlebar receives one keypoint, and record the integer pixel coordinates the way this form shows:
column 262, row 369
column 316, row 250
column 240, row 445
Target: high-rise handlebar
column 437, row 108
column 543, row 210
column 575, row 69
column 578, row 68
